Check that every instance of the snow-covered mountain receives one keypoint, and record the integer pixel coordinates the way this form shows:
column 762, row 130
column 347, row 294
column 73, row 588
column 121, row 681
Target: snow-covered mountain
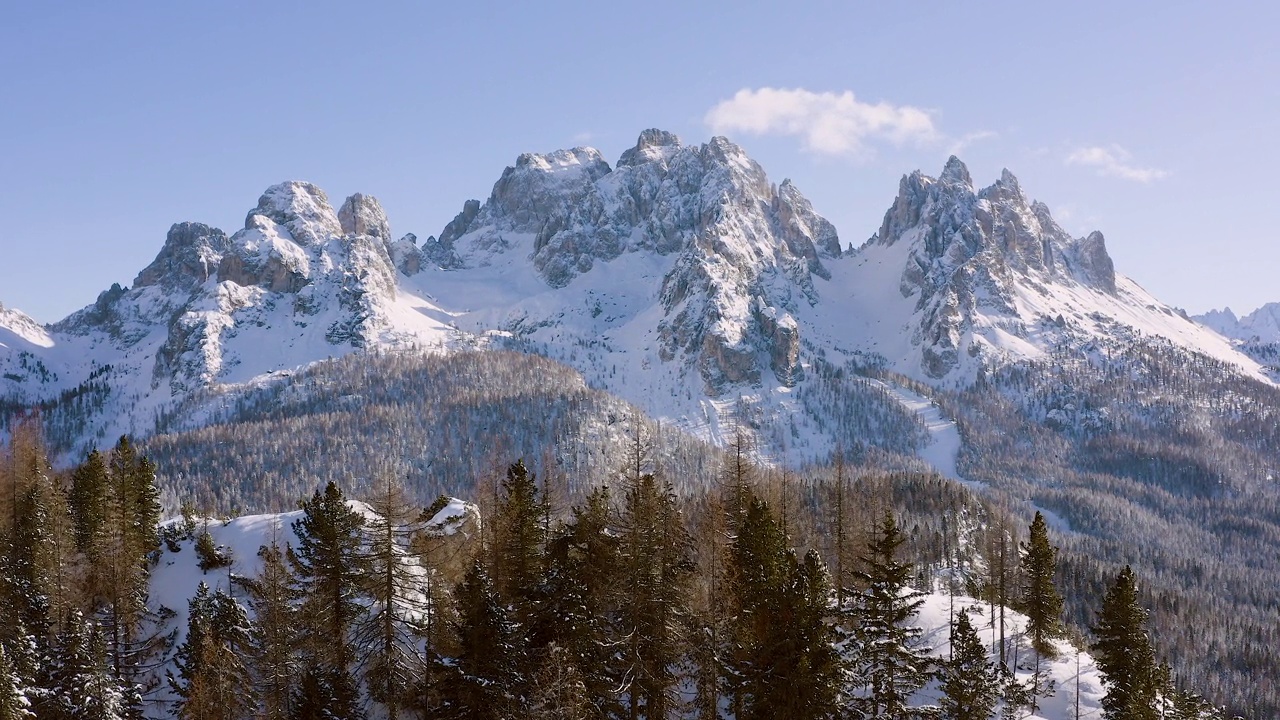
column 681, row 278
column 958, row 278
column 1261, row 325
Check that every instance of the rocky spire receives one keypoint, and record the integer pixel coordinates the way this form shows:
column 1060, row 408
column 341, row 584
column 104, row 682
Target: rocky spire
column 190, row 255
column 956, row 173
column 363, row 215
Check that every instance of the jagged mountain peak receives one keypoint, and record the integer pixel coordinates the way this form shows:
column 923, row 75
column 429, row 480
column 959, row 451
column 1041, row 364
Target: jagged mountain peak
column 1260, row 326
column 997, row 227
column 653, row 145
column 363, row 215
column 190, row 254
column 300, row 207
column 955, row 172
column 988, row 277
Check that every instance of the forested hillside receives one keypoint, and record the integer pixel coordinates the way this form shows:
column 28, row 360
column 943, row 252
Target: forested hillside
column 1159, row 459
column 767, row 594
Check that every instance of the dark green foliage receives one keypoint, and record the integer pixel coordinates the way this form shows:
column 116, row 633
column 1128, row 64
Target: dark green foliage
column 519, row 539
column 330, row 569
column 82, row 685
column 655, row 564
column 578, row 608
column 14, row 703
column 785, row 664
column 210, row 556
column 1124, row 654
column 214, row 678
column 1040, row 600
column 88, row 501
column 890, row 663
column 326, row 694
column 489, row 662
column 970, row 683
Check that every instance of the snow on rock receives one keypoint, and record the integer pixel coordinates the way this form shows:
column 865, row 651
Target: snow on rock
column 681, row 279
column 958, row 278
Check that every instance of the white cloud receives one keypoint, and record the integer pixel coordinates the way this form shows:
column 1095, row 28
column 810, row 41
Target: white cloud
column 964, row 143
column 1115, row 162
column 830, row 123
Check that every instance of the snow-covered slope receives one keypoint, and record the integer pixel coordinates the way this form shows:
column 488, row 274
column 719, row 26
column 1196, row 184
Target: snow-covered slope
column 1261, row 325
column 681, row 279
column 958, row 278
column 177, row 576
column 1256, row 334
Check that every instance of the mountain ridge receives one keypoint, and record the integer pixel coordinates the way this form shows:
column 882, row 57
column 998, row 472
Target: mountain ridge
column 680, row 278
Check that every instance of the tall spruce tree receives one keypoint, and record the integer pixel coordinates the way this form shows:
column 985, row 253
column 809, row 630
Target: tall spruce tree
column 889, row 661
column 578, row 612
column 215, row 682
column 654, row 553
column 14, row 701
column 488, row 664
column 122, row 559
column 1124, row 653
column 1040, row 600
column 784, row 664
column 970, row 682
column 82, row 684
column 519, row 542
column 275, row 633
column 329, row 570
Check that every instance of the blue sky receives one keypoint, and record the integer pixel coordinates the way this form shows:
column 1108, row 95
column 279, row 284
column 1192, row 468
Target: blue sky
column 1152, row 122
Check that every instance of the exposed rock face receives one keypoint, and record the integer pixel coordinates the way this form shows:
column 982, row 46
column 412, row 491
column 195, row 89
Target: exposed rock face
column 363, row 215
column 406, row 255
column 302, row 209
column 190, row 255
column 970, row 250
column 737, row 242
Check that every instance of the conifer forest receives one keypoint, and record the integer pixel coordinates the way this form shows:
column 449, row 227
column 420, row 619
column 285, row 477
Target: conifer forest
column 762, row 593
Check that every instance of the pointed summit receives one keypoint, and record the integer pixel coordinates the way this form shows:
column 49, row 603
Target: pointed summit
column 363, row 215
column 301, row 207
column 652, row 145
column 190, row 255
column 955, row 173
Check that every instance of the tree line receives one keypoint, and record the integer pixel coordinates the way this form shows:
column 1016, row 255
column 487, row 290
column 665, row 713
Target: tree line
column 762, row 597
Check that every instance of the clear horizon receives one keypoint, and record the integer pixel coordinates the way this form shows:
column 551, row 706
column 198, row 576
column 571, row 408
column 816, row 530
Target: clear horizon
column 1154, row 126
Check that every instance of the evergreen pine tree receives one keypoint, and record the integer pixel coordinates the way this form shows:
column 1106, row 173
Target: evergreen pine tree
column 275, row 632
column 1124, row 653
column 889, row 658
column 122, row 558
column 575, row 630
column 654, row 554
column 325, row 693
column 88, row 501
column 784, row 664
column 215, row 681
column 970, row 683
column 83, row 685
column 519, row 539
column 1040, row 600
column 14, row 703
column 329, row 570
column 488, row 663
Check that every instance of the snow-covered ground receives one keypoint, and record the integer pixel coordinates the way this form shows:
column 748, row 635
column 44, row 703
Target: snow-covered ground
column 175, row 579
column 1072, row 675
